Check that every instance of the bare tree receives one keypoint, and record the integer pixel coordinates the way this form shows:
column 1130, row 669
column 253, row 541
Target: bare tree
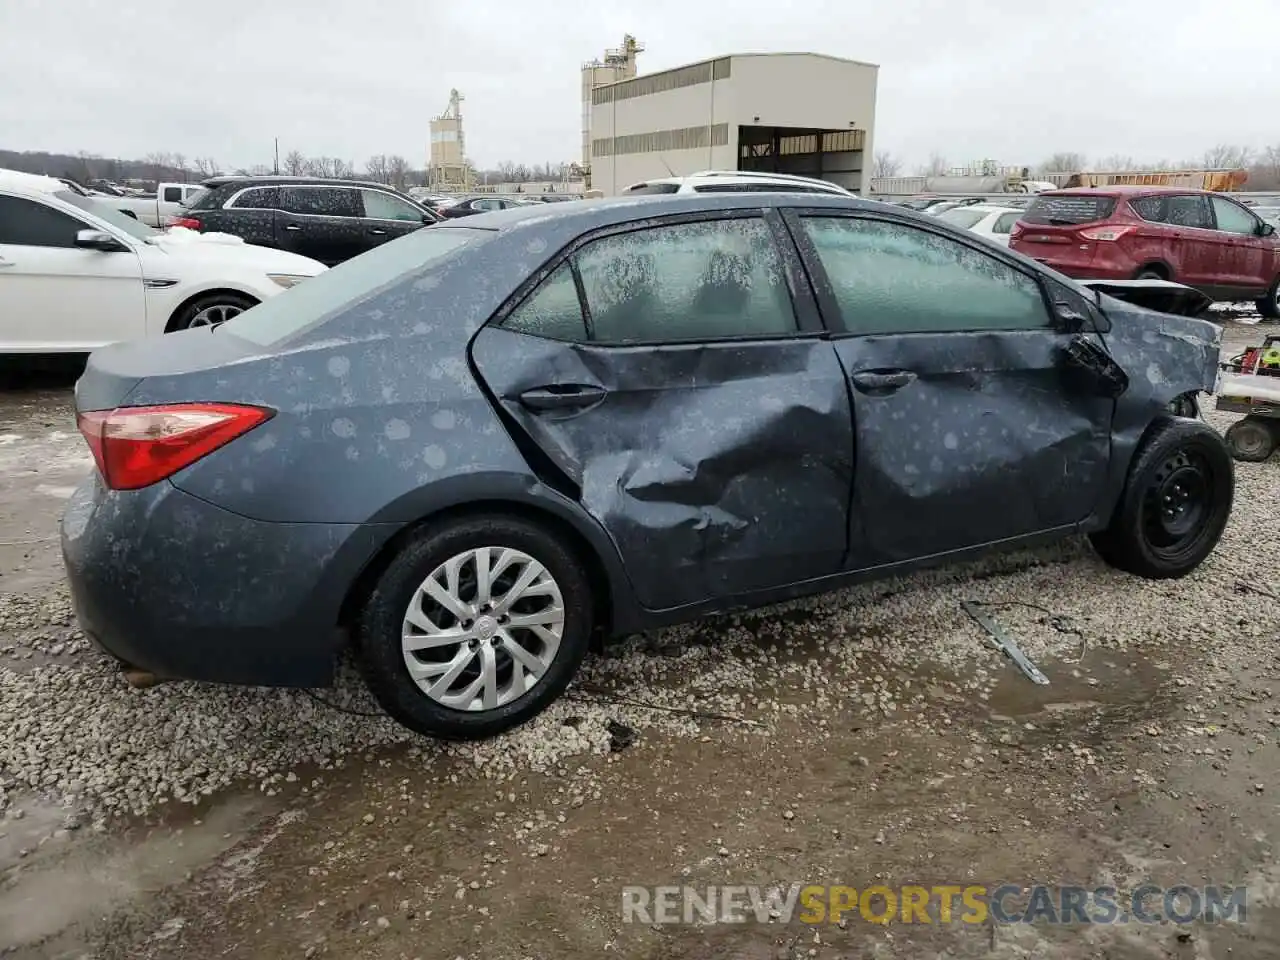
column 156, row 163
column 1064, row 163
column 886, row 165
column 936, row 167
column 1227, row 157
column 1119, row 163
column 205, row 166
column 398, row 172
column 295, row 164
column 180, row 164
column 376, row 168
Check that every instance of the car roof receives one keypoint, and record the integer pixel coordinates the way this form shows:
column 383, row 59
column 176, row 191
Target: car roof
column 740, row 176
column 1124, row 190
column 988, row 208
column 272, row 180
column 590, row 214
column 30, row 182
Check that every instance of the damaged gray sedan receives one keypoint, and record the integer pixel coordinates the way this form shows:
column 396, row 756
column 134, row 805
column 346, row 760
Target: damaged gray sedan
column 479, row 447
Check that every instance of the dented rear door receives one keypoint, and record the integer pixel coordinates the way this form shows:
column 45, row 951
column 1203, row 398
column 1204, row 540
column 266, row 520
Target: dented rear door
column 966, row 429
column 692, row 409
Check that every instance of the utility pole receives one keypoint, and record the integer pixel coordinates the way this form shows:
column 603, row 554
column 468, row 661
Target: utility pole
column 277, row 156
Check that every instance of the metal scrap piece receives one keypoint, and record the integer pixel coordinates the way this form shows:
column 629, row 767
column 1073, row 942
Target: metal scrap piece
column 1003, row 641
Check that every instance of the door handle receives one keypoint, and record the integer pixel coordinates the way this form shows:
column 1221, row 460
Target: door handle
column 882, row 381
column 378, row 233
column 568, row 396
column 293, row 227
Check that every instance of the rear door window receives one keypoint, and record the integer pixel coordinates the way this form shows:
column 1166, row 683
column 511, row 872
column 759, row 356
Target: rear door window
column 1181, row 210
column 321, row 201
column 709, row 280
column 1069, row 209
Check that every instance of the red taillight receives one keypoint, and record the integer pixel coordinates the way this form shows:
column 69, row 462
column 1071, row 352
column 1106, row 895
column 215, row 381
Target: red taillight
column 191, row 223
column 135, row 447
column 1114, row 232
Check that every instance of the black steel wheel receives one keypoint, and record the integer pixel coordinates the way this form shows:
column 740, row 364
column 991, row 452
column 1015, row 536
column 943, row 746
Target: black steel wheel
column 1175, row 504
column 1252, row 439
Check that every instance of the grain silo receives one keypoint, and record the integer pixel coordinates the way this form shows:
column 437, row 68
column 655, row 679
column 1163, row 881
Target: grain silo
column 448, row 169
column 617, row 65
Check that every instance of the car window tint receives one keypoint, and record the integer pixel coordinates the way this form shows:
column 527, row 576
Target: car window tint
column 488, row 204
column 553, row 311
column 26, row 223
column 1005, row 222
column 1151, row 209
column 383, row 206
column 321, row 201
column 1187, row 211
column 690, row 281
column 259, row 198
column 650, row 189
column 1232, row 218
column 893, row 278
column 172, row 195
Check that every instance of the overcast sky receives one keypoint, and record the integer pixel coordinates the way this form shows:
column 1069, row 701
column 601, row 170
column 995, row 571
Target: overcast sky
column 1008, row 80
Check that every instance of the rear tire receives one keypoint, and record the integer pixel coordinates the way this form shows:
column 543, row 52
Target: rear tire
column 1269, row 306
column 1252, row 440
column 468, row 684
column 210, row 311
column 1150, row 273
column 1175, row 504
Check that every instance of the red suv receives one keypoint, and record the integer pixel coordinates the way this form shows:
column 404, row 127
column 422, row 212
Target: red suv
column 1202, row 239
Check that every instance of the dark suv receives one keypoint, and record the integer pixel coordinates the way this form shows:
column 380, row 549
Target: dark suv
column 1201, row 239
column 327, row 220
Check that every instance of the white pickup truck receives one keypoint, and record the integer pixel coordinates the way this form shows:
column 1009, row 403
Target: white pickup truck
column 160, row 210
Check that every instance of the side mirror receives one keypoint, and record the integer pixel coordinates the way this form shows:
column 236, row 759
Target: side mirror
column 98, row 240
column 1266, row 229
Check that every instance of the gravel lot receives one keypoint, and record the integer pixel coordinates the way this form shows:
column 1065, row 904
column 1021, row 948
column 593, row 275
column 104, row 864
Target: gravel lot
column 867, row 734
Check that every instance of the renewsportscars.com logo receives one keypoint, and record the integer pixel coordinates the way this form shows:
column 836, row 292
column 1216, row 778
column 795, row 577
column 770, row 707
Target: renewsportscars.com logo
column 1006, row 903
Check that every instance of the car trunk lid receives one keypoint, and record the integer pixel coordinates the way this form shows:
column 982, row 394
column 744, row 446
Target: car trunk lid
column 114, row 373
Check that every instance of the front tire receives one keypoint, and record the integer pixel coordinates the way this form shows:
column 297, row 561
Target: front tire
column 1175, row 504
column 475, row 627
column 1269, row 306
column 212, row 310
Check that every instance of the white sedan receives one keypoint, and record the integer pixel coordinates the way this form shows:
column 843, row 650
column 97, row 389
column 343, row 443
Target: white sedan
column 76, row 274
column 985, row 219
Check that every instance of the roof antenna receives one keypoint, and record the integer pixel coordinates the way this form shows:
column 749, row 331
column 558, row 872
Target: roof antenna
column 670, row 172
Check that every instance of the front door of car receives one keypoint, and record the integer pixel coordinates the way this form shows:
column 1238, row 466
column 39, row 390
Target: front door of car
column 1251, row 256
column 387, row 216
column 969, row 428
column 663, row 378
column 55, row 295
column 321, row 222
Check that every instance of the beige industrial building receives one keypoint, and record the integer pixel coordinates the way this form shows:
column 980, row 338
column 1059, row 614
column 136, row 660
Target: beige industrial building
column 447, row 167
column 797, row 113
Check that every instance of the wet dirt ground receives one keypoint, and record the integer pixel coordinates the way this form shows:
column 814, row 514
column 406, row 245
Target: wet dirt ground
column 1154, row 759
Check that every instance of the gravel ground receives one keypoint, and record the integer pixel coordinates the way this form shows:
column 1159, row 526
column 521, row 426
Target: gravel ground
column 894, row 658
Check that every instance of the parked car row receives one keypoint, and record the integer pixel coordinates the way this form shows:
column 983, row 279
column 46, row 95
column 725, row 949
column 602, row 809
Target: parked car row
column 76, row 274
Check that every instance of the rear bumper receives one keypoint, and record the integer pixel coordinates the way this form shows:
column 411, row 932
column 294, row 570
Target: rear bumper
column 186, row 590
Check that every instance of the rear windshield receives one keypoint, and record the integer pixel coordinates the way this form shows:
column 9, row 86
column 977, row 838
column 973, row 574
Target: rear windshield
column 963, row 217
column 1067, row 209
column 207, row 199
column 318, row 299
column 649, row 188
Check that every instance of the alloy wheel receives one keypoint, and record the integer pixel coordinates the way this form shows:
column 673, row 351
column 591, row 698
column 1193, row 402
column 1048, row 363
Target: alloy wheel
column 215, row 315
column 483, row 628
